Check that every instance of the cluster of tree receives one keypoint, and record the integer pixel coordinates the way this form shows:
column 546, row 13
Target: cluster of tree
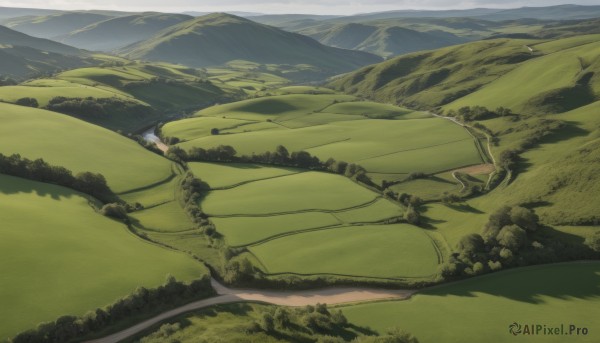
column 142, row 301
column 93, row 184
column 301, row 324
column 468, row 113
column 96, row 108
column 192, row 191
column 411, row 202
column 29, row 102
column 512, row 236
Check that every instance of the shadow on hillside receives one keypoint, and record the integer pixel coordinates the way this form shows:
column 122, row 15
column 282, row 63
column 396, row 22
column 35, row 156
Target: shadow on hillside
column 464, row 207
column 15, row 185
column 570, row 130
column 528, row 284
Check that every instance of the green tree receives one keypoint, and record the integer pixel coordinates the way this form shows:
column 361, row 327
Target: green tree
column 593, row 241
column 524, row 218
column 412, row 216
column 29, row 102
column 512, row 237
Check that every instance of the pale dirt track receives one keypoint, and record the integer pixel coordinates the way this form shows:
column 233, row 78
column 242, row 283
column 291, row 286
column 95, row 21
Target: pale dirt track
column 331, row 296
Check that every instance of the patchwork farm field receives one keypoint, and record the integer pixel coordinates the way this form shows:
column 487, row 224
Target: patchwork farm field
column 303, row 222
column 484, row 307
column 61, row 257
column 407, row 250
column 79, row 146
column 333, row 126
column 292, row 193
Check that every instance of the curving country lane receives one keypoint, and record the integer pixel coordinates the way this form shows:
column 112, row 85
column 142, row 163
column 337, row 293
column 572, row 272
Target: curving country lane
column 330, row 296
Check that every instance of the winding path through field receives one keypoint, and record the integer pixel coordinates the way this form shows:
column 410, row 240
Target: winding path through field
column 331, row 296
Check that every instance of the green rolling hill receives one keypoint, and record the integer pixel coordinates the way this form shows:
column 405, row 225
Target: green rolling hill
column 554, row 90
column 114, row 33
column 23, row 56
column 385, row 41
column 54, row 25
column 220, row 38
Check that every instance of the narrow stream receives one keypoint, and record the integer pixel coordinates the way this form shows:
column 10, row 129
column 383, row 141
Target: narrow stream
column 150, row 137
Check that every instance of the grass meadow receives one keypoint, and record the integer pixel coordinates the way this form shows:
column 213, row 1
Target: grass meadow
column 79, row 146
column 61, row 257
column 481, row 309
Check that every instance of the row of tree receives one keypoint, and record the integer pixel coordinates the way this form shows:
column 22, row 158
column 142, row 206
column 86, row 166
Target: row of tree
column 93, row 184
column 281, row 157
column 96, row 108
column 472, row 113
column 142, row 301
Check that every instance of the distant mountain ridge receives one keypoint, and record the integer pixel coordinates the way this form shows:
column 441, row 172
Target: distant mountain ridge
column 22, row 56
column 220, row 38
column 114, row 33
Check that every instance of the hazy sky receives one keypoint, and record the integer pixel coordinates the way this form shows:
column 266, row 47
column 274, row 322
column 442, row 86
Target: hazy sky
column 282, row 6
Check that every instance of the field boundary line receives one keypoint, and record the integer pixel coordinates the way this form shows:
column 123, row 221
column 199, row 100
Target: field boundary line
column 223, row 188
column 150, row 186
column 273, row 214
column 340, row 225
column 412, row 149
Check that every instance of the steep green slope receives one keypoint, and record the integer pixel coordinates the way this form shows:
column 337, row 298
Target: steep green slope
column 220, row 38
column 79, row 146
column 59, row 256
column 552, row 86
column 434, row 78
column 113, row 33
column 54, row 25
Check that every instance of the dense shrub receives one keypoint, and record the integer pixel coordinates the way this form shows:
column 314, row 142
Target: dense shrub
column 512, row 236
column 29, row 102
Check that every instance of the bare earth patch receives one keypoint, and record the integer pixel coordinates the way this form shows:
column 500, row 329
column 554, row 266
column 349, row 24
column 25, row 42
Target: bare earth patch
column 480, row 169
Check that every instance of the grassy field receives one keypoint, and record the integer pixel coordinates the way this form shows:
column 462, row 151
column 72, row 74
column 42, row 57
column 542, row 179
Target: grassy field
column 168, row 217
column 240, row 231
column 79, row 146
column 297, row 192
column 333, row 126
column 59, row 255
column 231, row 174
column 380, row 210
column 358, row 251
column 482, row 309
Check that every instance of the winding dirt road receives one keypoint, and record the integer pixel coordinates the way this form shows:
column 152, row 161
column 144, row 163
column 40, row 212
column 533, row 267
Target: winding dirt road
column 331, row 296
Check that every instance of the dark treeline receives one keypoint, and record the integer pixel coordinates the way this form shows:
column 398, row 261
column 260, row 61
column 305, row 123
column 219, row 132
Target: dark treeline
column 142, row 301
column 541, row 129
column 40, row 170
column 280, row 157
column 192, row 190
column 468, row 113
column 513, row 236
column 96, row 108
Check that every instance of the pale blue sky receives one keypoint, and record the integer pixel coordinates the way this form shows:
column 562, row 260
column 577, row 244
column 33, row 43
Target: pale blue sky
column 281, row 6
